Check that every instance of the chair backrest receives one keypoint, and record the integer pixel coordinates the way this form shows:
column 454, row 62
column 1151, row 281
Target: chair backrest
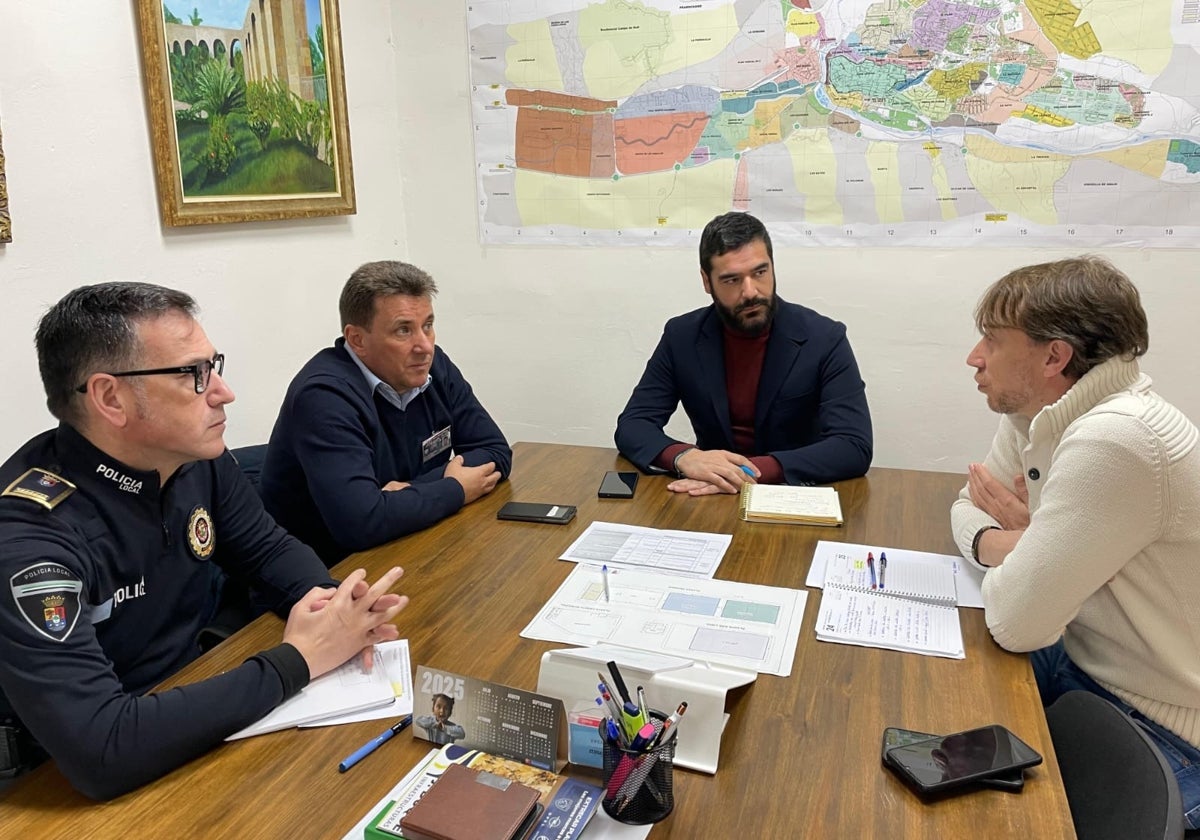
column 1118, row 783
column 250, row 459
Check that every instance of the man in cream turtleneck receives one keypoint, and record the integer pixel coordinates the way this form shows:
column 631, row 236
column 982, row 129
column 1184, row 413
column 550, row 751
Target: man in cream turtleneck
column 1086, row 512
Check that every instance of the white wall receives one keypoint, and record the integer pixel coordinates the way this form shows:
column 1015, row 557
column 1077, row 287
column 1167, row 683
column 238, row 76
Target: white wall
column 84, row 208
column 553, row 339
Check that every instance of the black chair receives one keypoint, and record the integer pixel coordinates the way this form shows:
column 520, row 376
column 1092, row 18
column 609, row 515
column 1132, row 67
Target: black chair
column 1118, row 783
column 250, row 459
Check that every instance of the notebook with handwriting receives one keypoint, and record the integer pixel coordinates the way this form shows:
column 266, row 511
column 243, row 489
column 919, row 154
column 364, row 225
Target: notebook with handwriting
column 907, row 605
column 798, row 505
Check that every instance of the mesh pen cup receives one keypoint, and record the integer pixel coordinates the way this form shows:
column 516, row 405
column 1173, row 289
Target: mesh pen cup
column 638, row 785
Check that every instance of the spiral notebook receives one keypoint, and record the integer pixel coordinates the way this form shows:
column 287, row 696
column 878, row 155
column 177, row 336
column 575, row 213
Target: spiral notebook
column 908, row 605
column 798, row 505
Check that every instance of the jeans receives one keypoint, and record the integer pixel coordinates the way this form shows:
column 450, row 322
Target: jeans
column 1056, row 674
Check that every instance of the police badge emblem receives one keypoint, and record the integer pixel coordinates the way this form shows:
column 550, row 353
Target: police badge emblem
column 48, row 597
column 200, row 536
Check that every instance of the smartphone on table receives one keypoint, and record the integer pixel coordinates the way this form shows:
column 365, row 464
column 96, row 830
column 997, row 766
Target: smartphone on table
column 618, row 485
column 933, row 764
column 536, row 512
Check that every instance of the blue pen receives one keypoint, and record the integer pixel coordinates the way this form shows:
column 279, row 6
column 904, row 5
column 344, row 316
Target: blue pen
column 746, row 470
column 370, row 747
column 882, row 567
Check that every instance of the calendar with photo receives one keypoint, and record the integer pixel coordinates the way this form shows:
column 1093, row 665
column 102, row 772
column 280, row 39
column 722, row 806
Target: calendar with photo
column 450, row 708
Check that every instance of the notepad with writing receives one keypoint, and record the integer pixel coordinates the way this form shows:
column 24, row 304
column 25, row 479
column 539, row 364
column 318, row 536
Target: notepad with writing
column 909, row 606
column 783, row 503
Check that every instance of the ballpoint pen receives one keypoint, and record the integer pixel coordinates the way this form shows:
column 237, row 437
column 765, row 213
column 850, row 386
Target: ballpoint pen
column 669, row 725
column 370, row 747
column 882, row 567
column 604, row 574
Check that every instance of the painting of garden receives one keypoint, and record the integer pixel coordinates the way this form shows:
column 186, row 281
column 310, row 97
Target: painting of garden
column 250, row 97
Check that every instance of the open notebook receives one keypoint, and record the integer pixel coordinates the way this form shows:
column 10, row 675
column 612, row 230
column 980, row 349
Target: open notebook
column 799, row 505
column 342, row 691
column 908, row 605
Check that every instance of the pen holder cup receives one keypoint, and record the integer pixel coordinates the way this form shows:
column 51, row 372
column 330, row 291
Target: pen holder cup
column 638, row 785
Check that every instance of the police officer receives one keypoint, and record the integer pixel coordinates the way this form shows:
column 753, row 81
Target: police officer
column 109, row 526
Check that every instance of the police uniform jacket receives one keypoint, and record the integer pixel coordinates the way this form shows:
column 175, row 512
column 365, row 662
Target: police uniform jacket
column 108, row 578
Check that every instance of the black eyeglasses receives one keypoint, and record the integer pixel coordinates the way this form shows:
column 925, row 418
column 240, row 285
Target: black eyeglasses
column 201, row 372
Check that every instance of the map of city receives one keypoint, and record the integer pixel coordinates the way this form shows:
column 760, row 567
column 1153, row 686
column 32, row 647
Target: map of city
column 843, row 122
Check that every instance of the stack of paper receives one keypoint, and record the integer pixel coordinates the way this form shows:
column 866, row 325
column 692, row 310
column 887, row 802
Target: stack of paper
column 346, row 694
column 798, row 505
column 908, row 605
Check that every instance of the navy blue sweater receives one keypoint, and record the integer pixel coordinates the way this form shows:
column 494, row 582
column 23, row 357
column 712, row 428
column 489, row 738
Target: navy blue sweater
column 336, row 444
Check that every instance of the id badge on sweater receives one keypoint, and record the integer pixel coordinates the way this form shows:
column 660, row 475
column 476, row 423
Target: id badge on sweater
column 435, row 444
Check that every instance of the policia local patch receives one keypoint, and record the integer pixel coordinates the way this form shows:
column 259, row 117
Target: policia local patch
column 47, row 594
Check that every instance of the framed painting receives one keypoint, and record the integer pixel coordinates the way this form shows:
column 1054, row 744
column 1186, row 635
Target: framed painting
column 5, row 221
column 247, row 109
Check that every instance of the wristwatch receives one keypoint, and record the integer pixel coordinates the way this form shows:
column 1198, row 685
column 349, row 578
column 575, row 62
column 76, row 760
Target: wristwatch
column 675, row 462
column 978, row 536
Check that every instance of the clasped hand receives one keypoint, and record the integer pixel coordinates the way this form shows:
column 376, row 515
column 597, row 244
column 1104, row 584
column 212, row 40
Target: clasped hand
column 711, row 471
column 328, row 626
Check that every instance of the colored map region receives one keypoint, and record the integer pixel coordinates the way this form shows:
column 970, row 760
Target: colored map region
column 845, row 122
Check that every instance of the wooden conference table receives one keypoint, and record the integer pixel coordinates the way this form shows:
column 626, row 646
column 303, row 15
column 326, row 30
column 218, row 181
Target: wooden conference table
column 799, row 757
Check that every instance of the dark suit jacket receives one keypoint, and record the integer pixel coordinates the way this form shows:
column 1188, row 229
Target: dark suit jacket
column 810, row 414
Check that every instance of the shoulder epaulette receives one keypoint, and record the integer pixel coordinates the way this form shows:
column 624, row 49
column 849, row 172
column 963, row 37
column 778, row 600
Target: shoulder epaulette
column 41, row 486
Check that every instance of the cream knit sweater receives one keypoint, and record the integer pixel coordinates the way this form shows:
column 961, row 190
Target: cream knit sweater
column 1111, row 557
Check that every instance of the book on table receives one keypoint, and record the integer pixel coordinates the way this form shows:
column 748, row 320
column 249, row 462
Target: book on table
column 783, row 503
column 909, row 605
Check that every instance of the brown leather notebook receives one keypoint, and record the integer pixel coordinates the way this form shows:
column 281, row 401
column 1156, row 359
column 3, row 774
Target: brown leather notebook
column 466, row 804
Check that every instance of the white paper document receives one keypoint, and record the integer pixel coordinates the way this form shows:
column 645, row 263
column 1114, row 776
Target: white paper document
column 691, row 553
column 967, row 578
column 742, row 625
column 393, row 658
column 868, row 619
column 343, row 690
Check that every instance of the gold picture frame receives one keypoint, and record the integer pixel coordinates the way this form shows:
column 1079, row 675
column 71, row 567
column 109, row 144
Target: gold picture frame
column 5, row 220
column 247, row 122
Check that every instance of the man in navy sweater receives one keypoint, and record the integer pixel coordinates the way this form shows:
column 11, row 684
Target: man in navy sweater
column 772, row 389
column 380, row 435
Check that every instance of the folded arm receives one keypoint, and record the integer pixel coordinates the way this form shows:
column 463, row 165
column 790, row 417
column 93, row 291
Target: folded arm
column 1086, row 528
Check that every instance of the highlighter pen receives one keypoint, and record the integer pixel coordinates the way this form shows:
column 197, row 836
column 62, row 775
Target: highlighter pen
column 372, row 745
column 607, row 593
column 644, row 736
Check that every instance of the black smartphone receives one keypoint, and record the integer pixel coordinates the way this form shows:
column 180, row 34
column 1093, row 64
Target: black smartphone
column 944, row 763
column 618, row 485
column 1012, row 781
column 536, row 512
